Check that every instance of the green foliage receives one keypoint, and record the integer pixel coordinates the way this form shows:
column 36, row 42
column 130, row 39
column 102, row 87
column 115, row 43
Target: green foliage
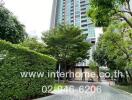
column 10, row 28
column 127, row 88
column 33, row 44
column 15, row 59
column 100, row 17
column 67, row 44
column 102, row 12
column 93, row 66
column 114, row 47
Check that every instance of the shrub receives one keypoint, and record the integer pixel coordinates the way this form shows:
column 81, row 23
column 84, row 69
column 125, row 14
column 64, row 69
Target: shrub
column 15, row 59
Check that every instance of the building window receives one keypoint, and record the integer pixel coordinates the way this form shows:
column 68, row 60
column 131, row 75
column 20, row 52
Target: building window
column 83, row 21
column 84, row 5
column 84, row 25
column 83, row 16
column 82, row 2
column 85, row 29
column 71, row 20
column 71, row 17
column 83, row 12
column 77, row 16
column 83, row 8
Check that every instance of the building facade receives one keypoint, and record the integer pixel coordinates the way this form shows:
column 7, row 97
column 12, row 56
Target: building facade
column 74, row 12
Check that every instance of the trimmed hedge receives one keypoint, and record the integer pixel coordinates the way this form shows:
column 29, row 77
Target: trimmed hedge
column 15, row 59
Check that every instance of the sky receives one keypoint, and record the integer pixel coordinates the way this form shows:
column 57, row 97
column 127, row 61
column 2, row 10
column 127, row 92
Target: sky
column 34, row 14
column 131, row 4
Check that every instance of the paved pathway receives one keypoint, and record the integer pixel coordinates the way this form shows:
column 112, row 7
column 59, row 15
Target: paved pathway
column 87, row 91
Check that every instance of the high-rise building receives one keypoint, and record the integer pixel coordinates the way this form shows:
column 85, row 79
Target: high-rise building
column 73, row 12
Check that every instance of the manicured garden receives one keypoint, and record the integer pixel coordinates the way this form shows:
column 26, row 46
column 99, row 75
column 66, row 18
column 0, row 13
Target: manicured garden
column 15, row 59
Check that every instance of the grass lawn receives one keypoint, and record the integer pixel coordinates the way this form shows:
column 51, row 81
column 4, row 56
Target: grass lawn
column 125, row 88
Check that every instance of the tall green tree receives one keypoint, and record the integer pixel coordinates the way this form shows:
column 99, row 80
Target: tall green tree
column 114, row 47
column 102, row 12
column 10, row 28
column 67, row 44
column 115, row 43
column 34, row 44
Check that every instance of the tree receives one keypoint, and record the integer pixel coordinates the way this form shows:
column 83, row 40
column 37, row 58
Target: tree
column 116, row 40
column 94, row 67
column 34, row 44
column 67, row 44
column 114, row 47
column 102, row 12
column 10, row 28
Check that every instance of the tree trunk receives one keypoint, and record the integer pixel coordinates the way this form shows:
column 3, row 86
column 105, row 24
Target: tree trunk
column 125, row 78
column 127, row 20
column 65, row 69
column 129, row 76
column 98, row 74
column 119, row 79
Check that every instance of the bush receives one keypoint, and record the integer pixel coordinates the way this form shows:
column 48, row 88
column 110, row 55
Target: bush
column 15, row 59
